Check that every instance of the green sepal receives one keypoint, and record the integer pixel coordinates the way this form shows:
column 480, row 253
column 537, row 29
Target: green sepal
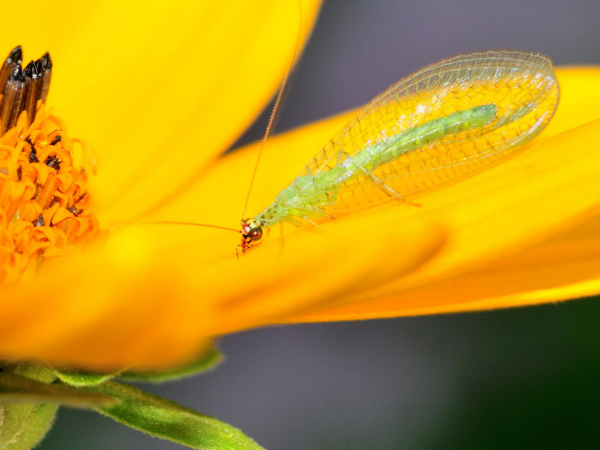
column 20, row 389
column 168, row 420
column 208, row 360
column 77, row 378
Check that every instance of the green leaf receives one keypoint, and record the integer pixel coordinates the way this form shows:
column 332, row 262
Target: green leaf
column 209, row 359
column 19, row 389
column 28, row 404
column 168, row 420
column 24, row 425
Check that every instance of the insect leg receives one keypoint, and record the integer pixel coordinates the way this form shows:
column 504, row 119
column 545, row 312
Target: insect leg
column 384, row 187
column 290, row 219
column 318, row 227
column 281, row 234
column 341, row 154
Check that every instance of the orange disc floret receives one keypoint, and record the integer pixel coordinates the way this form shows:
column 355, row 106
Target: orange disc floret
column 43, row 193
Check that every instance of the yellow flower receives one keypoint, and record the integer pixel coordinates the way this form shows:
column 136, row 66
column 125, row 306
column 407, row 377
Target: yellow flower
column 160, row 103
column 160, row 90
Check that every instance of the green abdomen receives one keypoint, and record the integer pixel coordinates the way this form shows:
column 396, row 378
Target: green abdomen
column 311, row 194
column 391, row 148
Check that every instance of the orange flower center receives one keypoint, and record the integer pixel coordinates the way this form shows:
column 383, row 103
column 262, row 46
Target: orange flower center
column 43, row 192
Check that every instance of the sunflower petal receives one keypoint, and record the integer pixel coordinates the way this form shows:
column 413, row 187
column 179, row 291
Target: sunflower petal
column 131, row 305
column 316, row 268
column 46, row 35
column 579, row 98
column 560, row 221
column 156, row 114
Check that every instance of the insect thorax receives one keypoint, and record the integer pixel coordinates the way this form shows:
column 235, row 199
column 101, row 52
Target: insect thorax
column 302, row 198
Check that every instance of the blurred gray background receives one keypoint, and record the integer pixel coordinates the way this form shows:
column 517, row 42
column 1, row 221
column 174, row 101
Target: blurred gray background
column 526, row 378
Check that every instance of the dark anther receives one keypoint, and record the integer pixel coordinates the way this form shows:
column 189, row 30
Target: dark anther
column 17, row 74
column 20, row 173
column 39, row 67
column 53, row 161
column 29, row 70
column 56, row 140
column 46, row 61
column 73, row 210
column 47, row 75
column 22, row 89
column 12, row 96
column 15, row 56
column 34, row 73
column 81, row 197
column 33, row 155
column 39, row 222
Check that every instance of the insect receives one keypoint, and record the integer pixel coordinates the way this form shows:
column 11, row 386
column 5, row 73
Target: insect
column 434, row 127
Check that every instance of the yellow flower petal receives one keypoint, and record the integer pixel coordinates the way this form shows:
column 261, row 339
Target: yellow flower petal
column 154, row 309
column 317, row 269
column 156, row 114
column 579, row 97
column 552, row 192
column 563, row 268
column 56, row 25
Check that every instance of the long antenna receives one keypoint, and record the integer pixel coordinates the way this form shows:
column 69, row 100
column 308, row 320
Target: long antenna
column 277, row 101
column 170, row 222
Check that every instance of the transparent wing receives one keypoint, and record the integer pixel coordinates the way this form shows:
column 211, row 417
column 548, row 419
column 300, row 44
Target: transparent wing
column 522, row 86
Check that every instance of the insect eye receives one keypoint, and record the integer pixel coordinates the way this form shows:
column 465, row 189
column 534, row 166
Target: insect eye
column 255, row 234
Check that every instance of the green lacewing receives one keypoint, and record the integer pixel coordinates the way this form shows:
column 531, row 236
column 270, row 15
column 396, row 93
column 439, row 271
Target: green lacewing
column 434, row 127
